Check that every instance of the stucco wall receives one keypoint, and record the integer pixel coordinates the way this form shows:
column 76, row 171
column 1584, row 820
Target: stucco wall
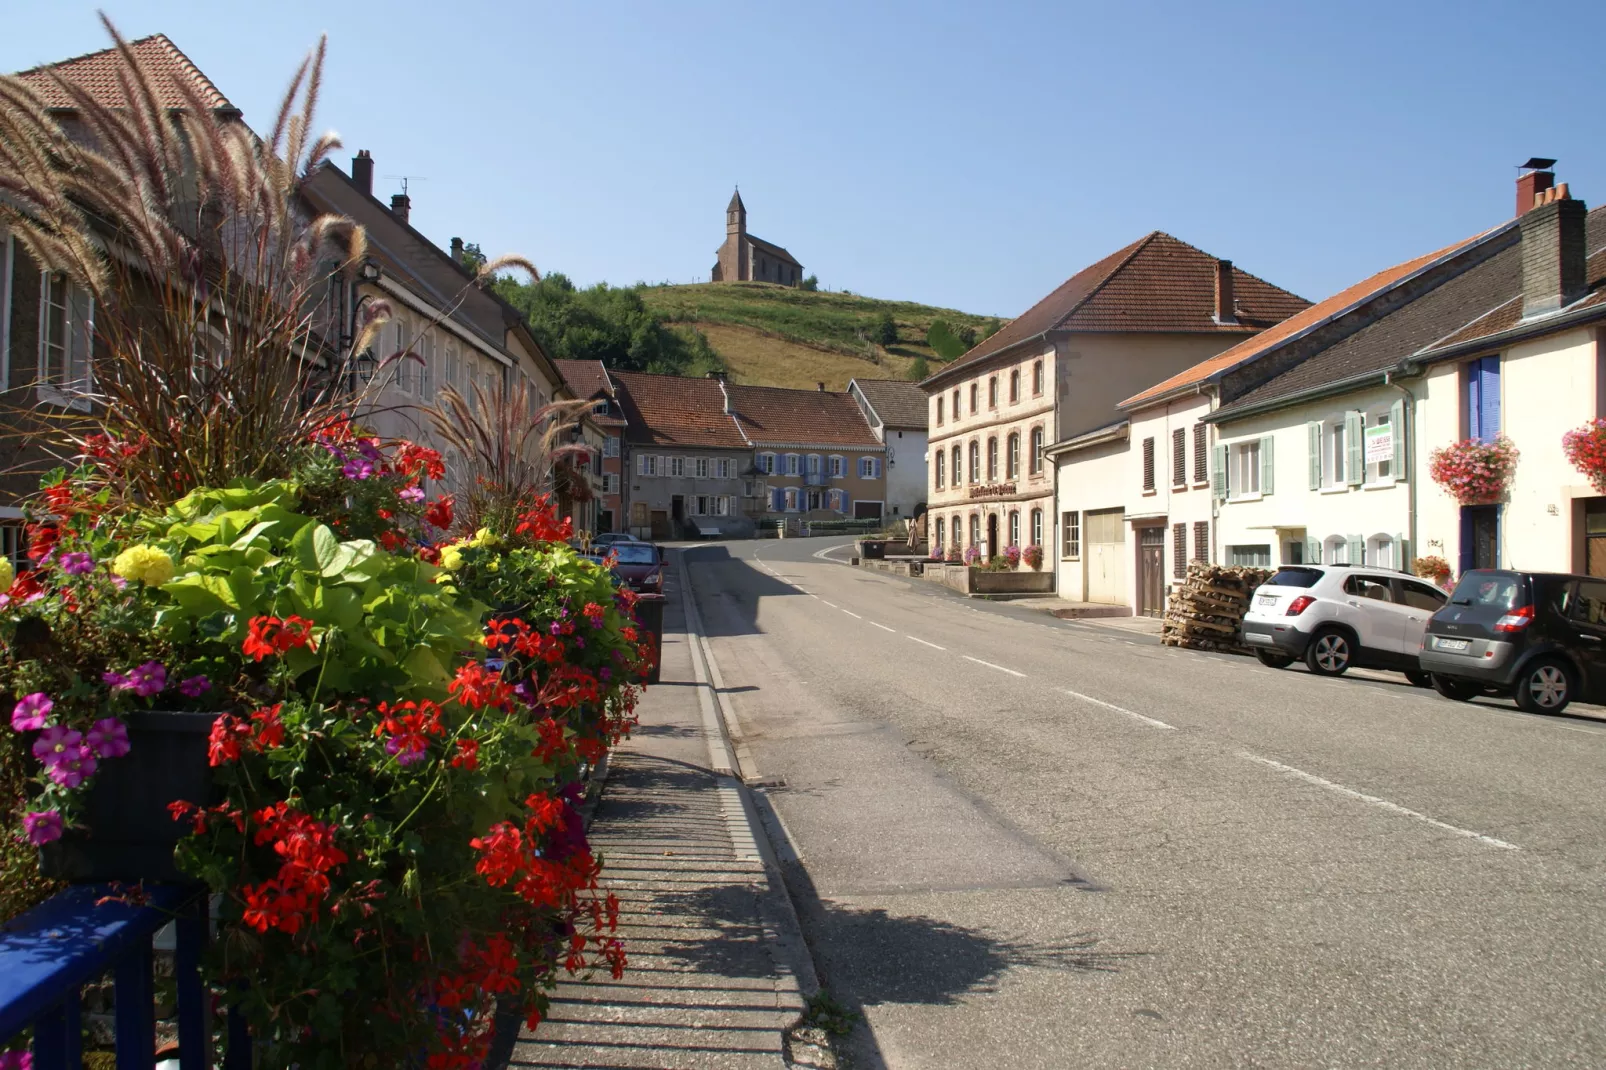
column 906, row 471
column 1094, row 478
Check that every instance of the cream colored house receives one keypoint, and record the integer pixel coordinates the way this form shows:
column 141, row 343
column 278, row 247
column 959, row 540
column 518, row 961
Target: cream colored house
column 1057, row 374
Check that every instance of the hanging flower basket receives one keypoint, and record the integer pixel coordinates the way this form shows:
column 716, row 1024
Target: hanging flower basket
column 1432, row 568
column 1586, row 449
column 1474, row 472
column 1033, row 556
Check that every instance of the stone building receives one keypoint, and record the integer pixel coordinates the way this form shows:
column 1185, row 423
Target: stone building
column 744, row 258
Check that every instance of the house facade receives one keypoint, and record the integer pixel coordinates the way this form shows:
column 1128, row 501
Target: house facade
column 1059, row 372
column 814, row 452
column 589, row 380
column 895, row 409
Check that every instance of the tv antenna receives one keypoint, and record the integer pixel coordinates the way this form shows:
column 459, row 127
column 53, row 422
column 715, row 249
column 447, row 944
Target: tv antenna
column 404, row 179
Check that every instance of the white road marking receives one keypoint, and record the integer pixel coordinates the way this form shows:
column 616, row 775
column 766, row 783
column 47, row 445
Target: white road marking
column 852, row 614
column 922, row 642
column 883, row 627
column 833, row 605
column 811, row 594
column 990, row 665
column 821, row 554
column 1393, row 808
column 1111, row 706
column 1582, row 731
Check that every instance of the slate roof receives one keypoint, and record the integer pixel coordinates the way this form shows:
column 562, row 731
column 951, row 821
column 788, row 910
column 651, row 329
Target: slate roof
column 898, row 403
column 774, row 250
column 1295, row 325
column 1158, row 284
column 773, row 415
column 97, row 72
column 589, row 379
column 1481, row 301
column 670, row 410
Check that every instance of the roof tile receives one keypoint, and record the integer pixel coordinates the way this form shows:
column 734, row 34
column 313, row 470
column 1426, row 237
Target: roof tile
column 776, row 415
column 97, row 72
column 898, row 403
column 670, row 410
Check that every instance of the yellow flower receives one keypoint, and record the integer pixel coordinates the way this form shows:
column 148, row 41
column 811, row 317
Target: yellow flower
column 7, row 574
column 146, row 564
column 452, row 556
column 483, row 538
column 493, row 566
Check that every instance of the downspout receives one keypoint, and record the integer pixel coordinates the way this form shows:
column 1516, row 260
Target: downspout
column 1409, row 439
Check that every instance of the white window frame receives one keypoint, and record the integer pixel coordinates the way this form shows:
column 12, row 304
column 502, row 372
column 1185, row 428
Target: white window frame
column 766, row 463
column 1071, row 535
column 816, row 500
column 700, row 467
column 1376, row 548
column 790, row 499
column 1334, row 547
column 71, row 394
column 1335, row 455
column 939, row 469
column 791, row 464
column 722, row 467
column 1014, row 528
column 837, row 465
column 1243, row 470
column 677, row 468
column 814, row 464
column 610, row 446
column 1037, row 527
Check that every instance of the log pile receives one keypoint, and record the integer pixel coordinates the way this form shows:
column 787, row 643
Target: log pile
column 1206, row 610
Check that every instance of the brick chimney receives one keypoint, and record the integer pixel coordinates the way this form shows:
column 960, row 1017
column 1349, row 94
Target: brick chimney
column 457, row 250
column 1553, row 252
column 820, row 386
column 1225, row 304
column 362, row 171
column 1530, row 184
column 401, row 206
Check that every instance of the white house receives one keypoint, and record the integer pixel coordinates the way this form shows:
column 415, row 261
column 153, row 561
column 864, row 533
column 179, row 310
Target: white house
column 895, row 409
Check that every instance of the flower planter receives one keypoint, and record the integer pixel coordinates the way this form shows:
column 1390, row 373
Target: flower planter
column 129, row 834
column 650, row 615
column 872, row 549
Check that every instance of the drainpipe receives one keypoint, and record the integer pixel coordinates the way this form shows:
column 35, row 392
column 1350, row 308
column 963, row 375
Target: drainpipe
column 1410, row 450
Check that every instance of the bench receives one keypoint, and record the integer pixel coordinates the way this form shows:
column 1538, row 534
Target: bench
column 707, row 532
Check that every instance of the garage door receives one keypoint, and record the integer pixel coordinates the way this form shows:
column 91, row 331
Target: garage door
column 1106, row 556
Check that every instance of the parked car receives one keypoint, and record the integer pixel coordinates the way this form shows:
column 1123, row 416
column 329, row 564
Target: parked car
column 607, row 538
column 637, row 565
column 1539, row 637
column 1338, row 617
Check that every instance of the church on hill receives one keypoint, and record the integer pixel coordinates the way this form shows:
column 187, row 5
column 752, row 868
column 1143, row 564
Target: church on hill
column 744, row 258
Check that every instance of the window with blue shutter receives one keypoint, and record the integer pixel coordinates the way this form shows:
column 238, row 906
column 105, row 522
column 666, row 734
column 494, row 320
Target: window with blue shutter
column 1483, row 399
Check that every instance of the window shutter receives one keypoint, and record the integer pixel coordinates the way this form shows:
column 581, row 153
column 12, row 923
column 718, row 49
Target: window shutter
column 1488, row 398
column 1201, row 541
column 1313, row 435
column 1355, row 461
column 1268, row 463
column 641, row 464
column 1148, row 464
column 1179, row 551
column 1399, row 467
column 1402, row 553
column 1218, row 471
column 1179, row 458
column 1357, row 549
column 1201, row 454
column 1313, row 550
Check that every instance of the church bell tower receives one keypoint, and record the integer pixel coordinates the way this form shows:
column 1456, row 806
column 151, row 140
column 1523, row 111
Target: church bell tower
column 736, row 239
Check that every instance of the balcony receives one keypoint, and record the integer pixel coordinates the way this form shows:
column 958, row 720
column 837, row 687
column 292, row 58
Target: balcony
column 816, row 479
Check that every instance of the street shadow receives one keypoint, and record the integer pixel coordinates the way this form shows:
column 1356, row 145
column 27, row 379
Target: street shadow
column 729, row 590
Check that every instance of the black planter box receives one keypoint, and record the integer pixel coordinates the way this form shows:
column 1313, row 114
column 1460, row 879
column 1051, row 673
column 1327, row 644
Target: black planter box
column 129, row 833
column 650, row 616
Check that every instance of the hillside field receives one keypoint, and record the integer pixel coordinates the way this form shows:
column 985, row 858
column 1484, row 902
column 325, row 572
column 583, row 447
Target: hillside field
column 773, row 335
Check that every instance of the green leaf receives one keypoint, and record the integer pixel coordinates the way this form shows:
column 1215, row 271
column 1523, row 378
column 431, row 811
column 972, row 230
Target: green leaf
column 424, row 667
column 337, row 605
column 261, row 527
column 246, row 590
column 316, row 548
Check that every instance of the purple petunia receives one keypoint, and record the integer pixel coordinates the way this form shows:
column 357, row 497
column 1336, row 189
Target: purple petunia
column 31, row 712
column 411, row 494
column 117, row 680
column 65, row 758
column 41, row 826
column 358, row 468
column 108, row 738
column 414, row 753
column 370, row 450
column 194, row 686
column 77, row 564
column 148, row 679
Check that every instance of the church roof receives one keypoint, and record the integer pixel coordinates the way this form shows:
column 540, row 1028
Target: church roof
column 774, row 250
column 97, row 73
column 736, row 204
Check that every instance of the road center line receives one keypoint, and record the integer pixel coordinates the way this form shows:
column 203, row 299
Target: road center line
column 833, row 605
column 883, row 627
column 1111, row 706
column 922, row 642
column 990, row 665
column 1393, row 808
column 852, row 614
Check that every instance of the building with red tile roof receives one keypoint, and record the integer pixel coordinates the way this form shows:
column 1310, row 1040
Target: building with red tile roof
column 98, row 74
column 588, row 380
column 818, row 454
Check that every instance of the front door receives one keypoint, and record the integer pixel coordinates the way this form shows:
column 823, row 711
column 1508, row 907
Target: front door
column 1480, row 537
column 1106, row 556
column 992, row 536
column 1595, row 537
column 1151, row 571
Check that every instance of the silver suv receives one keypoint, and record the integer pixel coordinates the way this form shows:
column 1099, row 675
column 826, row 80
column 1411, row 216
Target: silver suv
column 1335, row 617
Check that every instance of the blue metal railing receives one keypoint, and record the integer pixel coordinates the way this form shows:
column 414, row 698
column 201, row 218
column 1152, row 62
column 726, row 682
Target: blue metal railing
column 48, row 954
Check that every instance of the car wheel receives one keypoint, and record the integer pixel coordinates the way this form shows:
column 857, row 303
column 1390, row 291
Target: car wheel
column 1543, row 687
column 1419, row 678
column 1455, row 690
column 1329, row 652
column 1274, row 661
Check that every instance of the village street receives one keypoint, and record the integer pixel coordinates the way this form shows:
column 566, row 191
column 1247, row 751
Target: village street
column 1026, row 842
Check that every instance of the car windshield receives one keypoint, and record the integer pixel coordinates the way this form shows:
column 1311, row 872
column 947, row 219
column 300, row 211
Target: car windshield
column 1295, row 577
column 1496, row 590
column 634, row 553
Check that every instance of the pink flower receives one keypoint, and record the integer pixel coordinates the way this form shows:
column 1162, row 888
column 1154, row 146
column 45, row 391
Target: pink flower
column 41, row 826
column 148, row 679
column 413, row 494
column 77, row 564
column 195, row 686
column 56, row 741
column 31, row 712
column 108, row 738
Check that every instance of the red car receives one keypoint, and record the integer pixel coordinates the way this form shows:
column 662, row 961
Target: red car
column 638, row 565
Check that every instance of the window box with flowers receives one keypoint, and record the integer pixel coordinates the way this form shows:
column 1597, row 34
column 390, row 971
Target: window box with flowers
column 1474, row 472
column 1586, row 449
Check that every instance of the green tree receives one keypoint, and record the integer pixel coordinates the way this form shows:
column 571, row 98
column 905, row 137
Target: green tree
column 810, row 283
column 606, row 323
column 941, row 338
column 885, row 331
column 918, row 370
column 990, row 328
column 967, row 335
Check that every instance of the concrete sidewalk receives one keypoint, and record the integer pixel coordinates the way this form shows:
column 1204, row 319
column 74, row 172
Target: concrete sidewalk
column 712, row 941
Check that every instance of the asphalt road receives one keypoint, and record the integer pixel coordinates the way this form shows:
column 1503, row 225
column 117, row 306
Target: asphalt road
column 1022, row 842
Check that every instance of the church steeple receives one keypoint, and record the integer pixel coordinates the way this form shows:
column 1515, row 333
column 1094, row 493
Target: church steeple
column 736, row 215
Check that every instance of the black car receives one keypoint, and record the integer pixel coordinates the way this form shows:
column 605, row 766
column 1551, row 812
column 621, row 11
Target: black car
column 1538, row 636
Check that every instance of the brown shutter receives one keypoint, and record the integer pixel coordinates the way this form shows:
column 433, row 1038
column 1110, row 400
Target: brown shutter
column 1201, row 541
column 1179, row 458
column 1201, row 454
column 1148, row 464
column 1179, row 551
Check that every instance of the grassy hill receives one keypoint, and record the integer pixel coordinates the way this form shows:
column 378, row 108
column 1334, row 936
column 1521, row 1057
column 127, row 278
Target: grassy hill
column 773, row 335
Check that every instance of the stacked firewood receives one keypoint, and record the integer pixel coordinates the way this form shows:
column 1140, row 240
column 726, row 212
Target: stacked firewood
column 1206, row 610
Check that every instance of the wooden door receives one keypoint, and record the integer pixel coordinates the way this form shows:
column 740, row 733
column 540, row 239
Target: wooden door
column 1106, row 556
column 1151, row 571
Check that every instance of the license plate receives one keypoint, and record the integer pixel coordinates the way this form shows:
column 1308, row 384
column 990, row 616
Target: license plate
column 1267, row 600
column 1451, row 644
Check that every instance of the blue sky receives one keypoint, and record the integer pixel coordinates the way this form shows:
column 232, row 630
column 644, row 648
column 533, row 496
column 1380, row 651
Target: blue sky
column 960, row 154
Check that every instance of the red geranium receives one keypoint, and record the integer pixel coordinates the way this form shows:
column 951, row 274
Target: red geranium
column 439, row 513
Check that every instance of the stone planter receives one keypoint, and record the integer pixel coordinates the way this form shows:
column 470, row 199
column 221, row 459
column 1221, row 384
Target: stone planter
column 872, row 549
column 129, row 834
column 975, row 581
